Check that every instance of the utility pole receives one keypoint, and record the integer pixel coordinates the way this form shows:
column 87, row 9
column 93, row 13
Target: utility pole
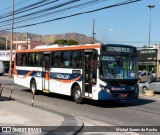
column 11, row 44
column 149, row 35
column 6, row 42
column 93, row 33
column 27, row 38
column 16, row 43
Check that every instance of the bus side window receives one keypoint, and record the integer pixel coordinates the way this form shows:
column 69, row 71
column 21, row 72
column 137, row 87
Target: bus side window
column 31, row 59
column 67, row 59
column 76, row 59
column 19, row 59
column 24, row 59
column 57, row 59
column 38, row 59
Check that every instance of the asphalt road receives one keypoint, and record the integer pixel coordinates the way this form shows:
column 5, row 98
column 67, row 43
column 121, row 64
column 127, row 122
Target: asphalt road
column 138, row 112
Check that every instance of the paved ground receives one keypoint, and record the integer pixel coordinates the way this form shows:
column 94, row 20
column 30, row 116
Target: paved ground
column 13, row 113
column 20, row 117
column 16, row 113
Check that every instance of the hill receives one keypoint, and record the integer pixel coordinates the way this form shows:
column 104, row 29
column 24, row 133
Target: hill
column 80, row 38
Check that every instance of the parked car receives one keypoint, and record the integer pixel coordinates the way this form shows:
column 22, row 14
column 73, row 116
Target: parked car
column 153, row 84
column 153, row 73
column 144, row 77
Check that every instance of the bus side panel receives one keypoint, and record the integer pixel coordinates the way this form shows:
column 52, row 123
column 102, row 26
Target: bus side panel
column 23, row 76
column 61, row 80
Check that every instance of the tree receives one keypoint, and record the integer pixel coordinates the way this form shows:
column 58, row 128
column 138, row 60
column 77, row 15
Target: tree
column 145, row 46
column 72, row 42
column 66, row 42
column 2, row 43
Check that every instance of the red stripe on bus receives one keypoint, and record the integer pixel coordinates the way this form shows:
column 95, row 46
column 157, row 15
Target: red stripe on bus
column 60, row 48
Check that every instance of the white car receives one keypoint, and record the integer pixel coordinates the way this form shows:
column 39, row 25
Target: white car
column 144, row 77
column 153, row 84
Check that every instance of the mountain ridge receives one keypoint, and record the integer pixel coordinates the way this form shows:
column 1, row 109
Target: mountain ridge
column 49, row 38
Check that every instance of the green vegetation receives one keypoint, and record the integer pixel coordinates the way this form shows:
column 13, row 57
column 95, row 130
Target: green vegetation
column 2, row 43
column 66, row 42
column 145, row 46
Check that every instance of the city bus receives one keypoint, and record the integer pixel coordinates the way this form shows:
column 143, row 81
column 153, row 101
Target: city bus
column 94, row 71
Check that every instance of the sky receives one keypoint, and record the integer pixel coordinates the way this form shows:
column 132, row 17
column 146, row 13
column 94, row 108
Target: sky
column 128, row 24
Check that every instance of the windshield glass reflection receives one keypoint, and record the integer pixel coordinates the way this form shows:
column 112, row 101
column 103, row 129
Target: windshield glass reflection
column 118, row 67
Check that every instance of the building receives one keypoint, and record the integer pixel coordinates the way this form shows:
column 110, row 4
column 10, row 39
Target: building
column 19, row 45
column 29, row 44
column 149, row 59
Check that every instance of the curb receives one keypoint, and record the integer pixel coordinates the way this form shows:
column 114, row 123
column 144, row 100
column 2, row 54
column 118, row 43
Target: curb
column 152, row 97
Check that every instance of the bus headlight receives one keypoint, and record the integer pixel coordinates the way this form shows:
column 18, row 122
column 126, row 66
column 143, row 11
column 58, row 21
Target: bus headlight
column 107, row 90
column 104, row 88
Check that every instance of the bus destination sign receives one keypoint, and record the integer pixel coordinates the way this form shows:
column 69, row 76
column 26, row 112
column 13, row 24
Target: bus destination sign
column 119, row 49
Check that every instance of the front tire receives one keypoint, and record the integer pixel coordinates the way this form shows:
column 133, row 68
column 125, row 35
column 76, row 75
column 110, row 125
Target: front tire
column 77, row 95
column 144, row 89
column 33, row 87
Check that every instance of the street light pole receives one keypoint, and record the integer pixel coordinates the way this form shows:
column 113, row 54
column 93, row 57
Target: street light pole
column 93, row 33
column 11, row 44
column 149, row 35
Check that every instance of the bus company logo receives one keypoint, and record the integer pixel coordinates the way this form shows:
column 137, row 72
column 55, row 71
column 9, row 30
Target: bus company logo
column 6, row 129
column 63, row 76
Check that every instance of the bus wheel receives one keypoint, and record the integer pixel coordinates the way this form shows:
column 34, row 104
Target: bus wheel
column 77, row 95
column 33, row 87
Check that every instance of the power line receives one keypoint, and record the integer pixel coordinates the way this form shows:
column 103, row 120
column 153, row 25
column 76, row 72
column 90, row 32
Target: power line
column 111, row 6
column 26, row 8
column 9, row 7
column 60, row 11
column 80, row 13
column 44, row 13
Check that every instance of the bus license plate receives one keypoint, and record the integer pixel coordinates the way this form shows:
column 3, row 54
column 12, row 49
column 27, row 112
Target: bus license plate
column 124, row 95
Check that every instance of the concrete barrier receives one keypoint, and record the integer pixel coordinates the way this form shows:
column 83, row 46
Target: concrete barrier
column 149, row 93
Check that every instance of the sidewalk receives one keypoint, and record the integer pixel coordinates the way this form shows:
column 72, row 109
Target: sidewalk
column 13, row 113
column 20, row 118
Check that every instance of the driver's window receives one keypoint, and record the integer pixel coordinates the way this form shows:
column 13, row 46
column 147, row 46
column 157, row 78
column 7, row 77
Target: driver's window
column 153, row 80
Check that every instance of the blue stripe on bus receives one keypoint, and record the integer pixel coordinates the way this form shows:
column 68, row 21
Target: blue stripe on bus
column 60, row 76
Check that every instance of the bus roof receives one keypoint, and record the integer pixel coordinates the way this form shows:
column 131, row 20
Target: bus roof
column 60, row 47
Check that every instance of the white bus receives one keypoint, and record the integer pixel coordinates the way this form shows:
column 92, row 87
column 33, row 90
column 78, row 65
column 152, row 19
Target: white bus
column 95, row 71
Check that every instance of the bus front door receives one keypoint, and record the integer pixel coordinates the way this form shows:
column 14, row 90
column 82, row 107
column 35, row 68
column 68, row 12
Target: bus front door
column 46, row 73
column 88, row 74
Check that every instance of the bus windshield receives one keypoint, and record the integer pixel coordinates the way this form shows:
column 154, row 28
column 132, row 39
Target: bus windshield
column 118, row 67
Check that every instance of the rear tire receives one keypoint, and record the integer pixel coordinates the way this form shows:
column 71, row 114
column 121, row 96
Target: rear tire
column 77, row 95
column 33, row 87
column 144, row 89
